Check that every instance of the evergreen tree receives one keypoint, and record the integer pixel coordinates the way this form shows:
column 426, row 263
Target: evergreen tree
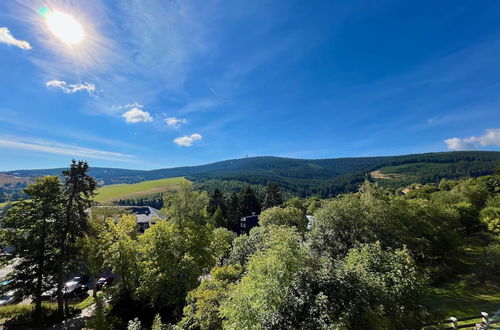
column 233, row 213
column 216, row 201
column 217, row 219
column 272, row 196
column 31, row 227
column 78, row 193
column 248, row 202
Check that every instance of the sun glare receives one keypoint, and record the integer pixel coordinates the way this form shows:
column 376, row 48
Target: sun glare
column 65, row 27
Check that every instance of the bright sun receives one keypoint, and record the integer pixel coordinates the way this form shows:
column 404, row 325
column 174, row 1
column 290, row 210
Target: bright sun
column 65, row 27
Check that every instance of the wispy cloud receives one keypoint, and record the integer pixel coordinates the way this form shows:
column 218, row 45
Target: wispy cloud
column 491, row 137
column 71, row 88
column 136, row 115
column 187, row 140
column 175, row 122
column 7, row 38
column 61, row 149
column 198, row 105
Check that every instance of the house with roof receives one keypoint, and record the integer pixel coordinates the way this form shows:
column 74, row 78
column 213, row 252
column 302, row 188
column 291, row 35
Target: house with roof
column 146, row 216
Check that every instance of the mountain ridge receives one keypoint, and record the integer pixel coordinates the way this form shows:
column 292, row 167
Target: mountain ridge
column 325, row 177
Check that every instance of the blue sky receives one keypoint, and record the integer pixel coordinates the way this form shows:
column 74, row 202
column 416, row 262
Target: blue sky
column 159, row 83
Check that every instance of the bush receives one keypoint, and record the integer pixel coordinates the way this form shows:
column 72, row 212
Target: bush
column 488, row 267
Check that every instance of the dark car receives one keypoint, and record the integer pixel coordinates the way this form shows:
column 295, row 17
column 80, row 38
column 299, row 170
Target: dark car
column 83, row 279
column 9, row 297
column 103, row 282
column 74, row 289
column 50, row 294
column 77, row 286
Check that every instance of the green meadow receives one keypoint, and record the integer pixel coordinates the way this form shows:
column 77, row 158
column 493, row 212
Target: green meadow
column 114, row 192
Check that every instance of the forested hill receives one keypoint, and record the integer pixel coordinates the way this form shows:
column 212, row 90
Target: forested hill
column 323, row 177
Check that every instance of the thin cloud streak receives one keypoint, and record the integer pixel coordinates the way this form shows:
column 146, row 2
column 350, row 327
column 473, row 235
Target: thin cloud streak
column 63, row 149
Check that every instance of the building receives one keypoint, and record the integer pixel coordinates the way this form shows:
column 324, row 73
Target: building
column 145, row 215
column 247, row 223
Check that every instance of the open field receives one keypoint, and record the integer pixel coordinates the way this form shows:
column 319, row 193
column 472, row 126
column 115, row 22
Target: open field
column 115, row 192
column 379, row 175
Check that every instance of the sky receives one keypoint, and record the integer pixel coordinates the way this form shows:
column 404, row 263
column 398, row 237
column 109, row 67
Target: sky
column 146, row 84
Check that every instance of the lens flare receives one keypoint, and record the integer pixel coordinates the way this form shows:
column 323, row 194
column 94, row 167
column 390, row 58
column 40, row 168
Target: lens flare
column 65, row 27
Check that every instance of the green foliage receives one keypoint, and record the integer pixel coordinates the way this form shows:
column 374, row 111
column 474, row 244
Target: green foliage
column 248, row 202
column 380, row 289
column 272, row 196
column 173, row 257
column 297, row 203
column 203, row 303
column 152, row 200
column 121, row 251
column 98, row 321
column 221, row 243
column 488, row 267
column 490, row 216
column 187, row 205
column 287, row 216
column 31, row 226
column 215, row 202
column 271, row 276
column 217, row 219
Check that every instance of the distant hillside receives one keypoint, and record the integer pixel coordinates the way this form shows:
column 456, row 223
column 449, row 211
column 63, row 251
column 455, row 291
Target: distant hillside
column 114, row 192
column 323, row 177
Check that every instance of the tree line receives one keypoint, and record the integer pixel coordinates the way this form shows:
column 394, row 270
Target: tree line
column 364, row 264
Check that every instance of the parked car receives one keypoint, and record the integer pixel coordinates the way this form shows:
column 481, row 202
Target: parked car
column 74, row 288
column 8, row 298
column 83, row 279
column 104, row 282
column 50, row 294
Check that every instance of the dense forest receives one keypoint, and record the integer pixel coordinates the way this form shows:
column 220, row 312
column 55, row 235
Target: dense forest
column 367, row 261
column 301, row 177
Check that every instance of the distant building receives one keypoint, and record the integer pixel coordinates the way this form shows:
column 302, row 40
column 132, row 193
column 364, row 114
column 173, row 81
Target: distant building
column 145, row 215
column 247, row 223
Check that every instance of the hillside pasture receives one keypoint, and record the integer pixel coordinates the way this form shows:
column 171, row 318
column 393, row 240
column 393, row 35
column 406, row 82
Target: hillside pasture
column 114, row 192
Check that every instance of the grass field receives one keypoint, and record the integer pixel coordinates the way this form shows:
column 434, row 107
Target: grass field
column 459, row 299
column 114, row 192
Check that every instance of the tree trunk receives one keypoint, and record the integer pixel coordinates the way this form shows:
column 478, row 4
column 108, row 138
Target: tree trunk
column 93, row 280
column 60, row 299
column 39, row 277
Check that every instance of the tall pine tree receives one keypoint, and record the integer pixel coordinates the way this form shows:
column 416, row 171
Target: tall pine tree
column 272, row 196
column 78, row 193
column 30, row 232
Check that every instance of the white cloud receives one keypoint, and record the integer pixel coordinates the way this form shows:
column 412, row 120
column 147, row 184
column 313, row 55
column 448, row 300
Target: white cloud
column 188, row 140
column 7, row 38
column 71, row 88
column 175, row 122
column 491, row 137
column 61, row 149
column 136, row 115
column 127, row 106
